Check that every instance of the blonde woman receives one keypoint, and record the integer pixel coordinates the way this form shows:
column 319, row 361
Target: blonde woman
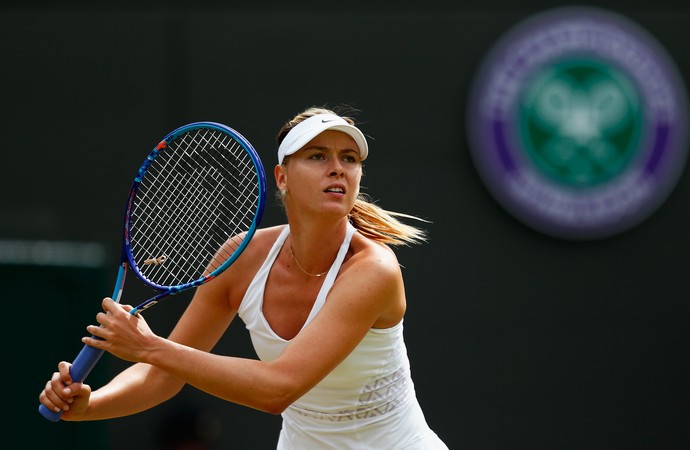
column 323, row 298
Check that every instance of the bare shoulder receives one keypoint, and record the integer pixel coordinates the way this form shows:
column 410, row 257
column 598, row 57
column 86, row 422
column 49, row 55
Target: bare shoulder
column 257, row 249
column 367, row 254
column 372, row 275
column 232, row 283
column 265, row 237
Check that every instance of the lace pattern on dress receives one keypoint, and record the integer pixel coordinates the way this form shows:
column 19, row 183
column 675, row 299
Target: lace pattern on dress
column 379, row 397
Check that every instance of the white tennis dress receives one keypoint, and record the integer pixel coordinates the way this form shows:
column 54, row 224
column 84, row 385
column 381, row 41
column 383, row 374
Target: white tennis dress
column 367, row 402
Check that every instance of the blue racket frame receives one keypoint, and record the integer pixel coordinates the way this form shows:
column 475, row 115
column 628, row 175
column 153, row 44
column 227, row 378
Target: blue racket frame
column 127, row 247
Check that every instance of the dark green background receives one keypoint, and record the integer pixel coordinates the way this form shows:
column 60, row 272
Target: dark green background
column 517, row 340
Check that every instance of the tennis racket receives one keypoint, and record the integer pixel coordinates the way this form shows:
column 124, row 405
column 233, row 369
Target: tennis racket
column 195, row 203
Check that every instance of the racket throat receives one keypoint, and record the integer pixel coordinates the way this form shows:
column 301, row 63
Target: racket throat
column 144, row 306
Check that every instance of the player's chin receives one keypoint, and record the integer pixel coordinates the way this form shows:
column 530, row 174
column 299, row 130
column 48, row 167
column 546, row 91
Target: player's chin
column 339, row 198
column 339, row 207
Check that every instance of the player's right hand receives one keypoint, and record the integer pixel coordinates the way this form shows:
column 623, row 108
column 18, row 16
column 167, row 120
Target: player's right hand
column 61, row 394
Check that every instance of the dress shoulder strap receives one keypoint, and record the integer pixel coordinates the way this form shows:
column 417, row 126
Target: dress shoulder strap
column 332, row 273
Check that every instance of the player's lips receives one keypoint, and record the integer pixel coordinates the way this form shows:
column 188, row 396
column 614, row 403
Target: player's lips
column 335, row 188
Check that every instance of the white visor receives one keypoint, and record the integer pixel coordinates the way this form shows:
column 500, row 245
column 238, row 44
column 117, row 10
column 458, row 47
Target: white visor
column 308, row 129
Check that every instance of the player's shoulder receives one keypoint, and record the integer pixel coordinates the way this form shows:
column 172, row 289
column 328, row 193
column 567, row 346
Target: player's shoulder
column 239, row 275
column 263, row 240
column 269, row 233
column 372, row 256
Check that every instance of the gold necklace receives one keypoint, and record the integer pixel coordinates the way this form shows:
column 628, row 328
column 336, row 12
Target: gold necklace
column 302, row 268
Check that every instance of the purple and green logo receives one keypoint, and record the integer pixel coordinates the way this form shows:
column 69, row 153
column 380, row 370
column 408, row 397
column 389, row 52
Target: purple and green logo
column 578, row 123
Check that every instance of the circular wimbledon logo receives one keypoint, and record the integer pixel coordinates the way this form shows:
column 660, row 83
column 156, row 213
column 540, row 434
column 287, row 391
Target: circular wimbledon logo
column 577, row 123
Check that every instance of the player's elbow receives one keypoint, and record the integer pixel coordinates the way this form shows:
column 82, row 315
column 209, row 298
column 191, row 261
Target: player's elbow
column 284, row 391
column 279, row 401
column 274, row 405
column 276, row 408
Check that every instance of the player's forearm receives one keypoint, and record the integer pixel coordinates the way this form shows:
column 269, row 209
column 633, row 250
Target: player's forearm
column 243, row 381
column 138, row 388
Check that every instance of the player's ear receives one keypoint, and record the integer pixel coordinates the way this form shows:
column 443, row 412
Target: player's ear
column 280, row 176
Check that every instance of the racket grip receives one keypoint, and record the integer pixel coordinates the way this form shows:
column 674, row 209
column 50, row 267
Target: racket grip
column 81, row 367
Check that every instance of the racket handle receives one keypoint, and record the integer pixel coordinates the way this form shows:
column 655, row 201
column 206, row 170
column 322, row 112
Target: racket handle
column 81, row 367
column 88, row 356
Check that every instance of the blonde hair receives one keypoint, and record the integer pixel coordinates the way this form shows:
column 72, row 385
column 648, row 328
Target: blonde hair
column 371, row 220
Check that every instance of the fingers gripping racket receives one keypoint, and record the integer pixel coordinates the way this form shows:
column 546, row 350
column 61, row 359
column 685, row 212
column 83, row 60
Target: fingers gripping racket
column 195, row 203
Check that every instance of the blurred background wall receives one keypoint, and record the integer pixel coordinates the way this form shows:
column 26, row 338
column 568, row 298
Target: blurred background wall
column 518, row 340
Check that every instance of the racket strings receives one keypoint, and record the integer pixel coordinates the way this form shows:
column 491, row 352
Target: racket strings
column 209, row 212
column 193, row 234
column 195, row 204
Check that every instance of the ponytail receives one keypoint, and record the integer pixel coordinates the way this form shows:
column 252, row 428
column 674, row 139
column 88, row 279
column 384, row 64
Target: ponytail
column 384, row 226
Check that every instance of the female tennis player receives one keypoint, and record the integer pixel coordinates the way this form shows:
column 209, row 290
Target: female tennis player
column 323, row 298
